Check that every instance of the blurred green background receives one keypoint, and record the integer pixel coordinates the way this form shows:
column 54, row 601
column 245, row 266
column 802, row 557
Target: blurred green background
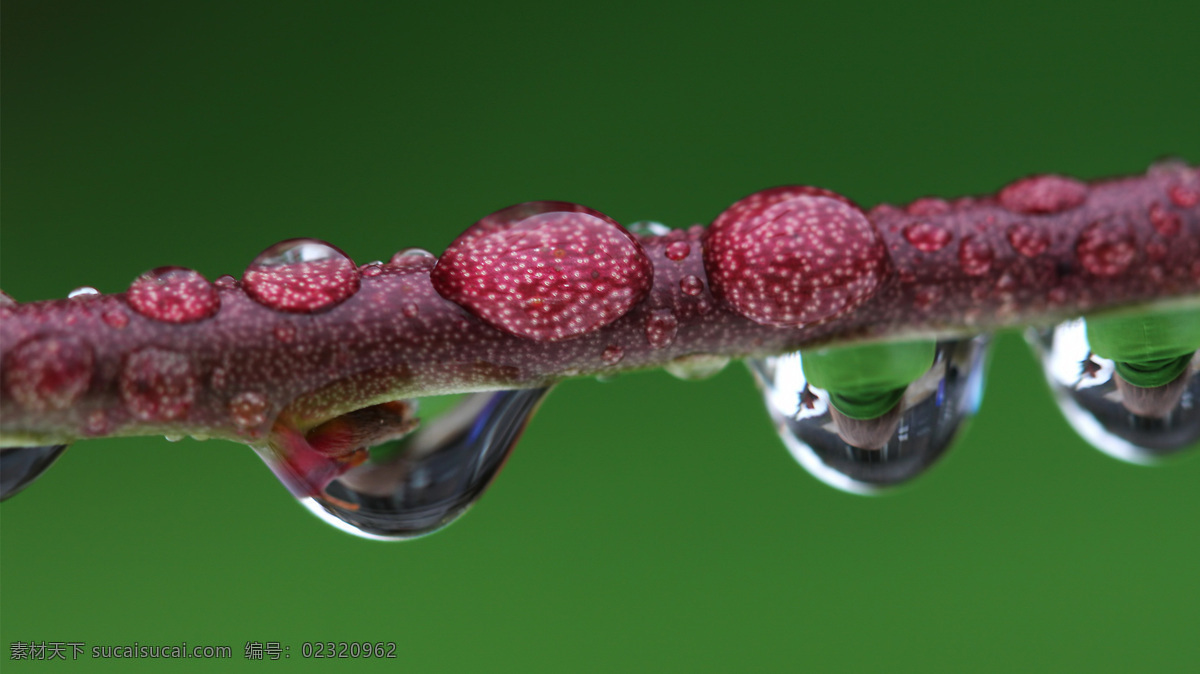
column 646, row 523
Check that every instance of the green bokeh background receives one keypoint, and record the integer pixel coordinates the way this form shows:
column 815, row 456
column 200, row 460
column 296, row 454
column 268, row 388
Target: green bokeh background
column 646, row 523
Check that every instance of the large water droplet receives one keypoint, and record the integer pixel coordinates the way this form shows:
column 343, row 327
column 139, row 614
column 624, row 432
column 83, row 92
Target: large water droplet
column 424, row 479
column 301, row 276
column 1127, row 384
column 918, row 427
column 20, row 466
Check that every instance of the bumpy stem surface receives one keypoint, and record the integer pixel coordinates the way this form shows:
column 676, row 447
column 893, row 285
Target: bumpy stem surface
column 234, row 358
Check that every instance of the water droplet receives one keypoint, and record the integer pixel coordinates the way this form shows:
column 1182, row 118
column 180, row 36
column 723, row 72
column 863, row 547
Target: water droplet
column 691, row 285
column 173, row 437
column 1184, row 196
column 1127, row 384
column 612, row 354
column 1105, row 249
column 371, row 269
column 1043, row 194
column 115, row 318
column 418, row 481
column 82, row 291
column 661, row 327
column 225, row 281
column 301, row 276
column 410, row 309
column 697, row 366
column 248, row 410
column 926, row 237
column 867, row 456
column 1028, row 240
column 416, row 258
column 975, row 256
column 789, row 256
column 96, row 424
column 48, row 373
column 173, row 295
column 649, row 228
column 157, row 384
column 927, row 206
column 20, row 466
column 1164, row 221
column 545, row 271
column 678, row 250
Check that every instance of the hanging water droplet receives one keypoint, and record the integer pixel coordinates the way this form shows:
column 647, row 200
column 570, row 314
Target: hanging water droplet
column 20, row 466
column 649, row 228
column 301, row 276
column 697, row 366
column 416, row 481
column 1127, row 384
column 82, row 291
column 881, row 440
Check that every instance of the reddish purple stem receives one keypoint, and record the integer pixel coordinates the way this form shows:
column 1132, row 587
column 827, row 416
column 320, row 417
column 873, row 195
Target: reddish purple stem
column 213, row 360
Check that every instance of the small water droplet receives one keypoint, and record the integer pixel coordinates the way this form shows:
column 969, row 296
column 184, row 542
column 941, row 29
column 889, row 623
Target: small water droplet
column 1184, row 196
column 157, row 384
column 416, row 258
column 96, row 424
column 1043, row 194
column 248, row 410
column 612, row 354
column 649, row 228
column 410, row 309
column 371, row 269
column 926, row 237
column 48, row 373
column 661, row 327
column 927, row 206
column 1127, row 384
column 1028, row 240
column 173, row 295
column 691, row 285
column 115, row 318
column 173, row 437
column 975, row 256
column 869, row 455
column 415, row 482
column 1165, row 222
column 225, row 281
column 697, row 366
column 82, row 291
column 20, row 466
column 301, row 276
column 678, row 250
column 1105, row 249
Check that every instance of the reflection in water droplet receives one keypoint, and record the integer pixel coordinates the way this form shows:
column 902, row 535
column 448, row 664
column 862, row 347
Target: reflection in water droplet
column 20, row 466
column 423, row 481
column 413, row 257
column 1141, row 421
column 930, row 415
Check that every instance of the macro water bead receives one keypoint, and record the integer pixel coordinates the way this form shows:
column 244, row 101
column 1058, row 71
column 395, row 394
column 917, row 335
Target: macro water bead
column 789, row 256
column 545, row 270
